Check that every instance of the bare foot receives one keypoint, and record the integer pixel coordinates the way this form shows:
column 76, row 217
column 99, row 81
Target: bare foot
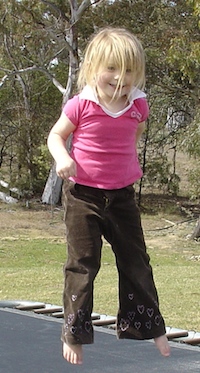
column 163, row 345
column 73, row 353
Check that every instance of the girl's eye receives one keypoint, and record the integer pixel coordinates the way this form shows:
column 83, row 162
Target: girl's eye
column 111, row 68
column 128, row 71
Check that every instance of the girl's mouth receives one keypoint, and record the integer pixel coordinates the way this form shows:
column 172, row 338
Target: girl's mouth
column 115, row 86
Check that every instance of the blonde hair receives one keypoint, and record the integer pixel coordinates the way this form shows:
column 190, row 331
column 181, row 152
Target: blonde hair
column 116, row 45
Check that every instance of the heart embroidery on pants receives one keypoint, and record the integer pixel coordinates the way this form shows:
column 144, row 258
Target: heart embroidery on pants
column 70, row 318
column 66, row 328
column 131, row 315
column 150, row 312
column 156, row 303
column 137, row 325
column 124, row 325
column 88, row 326
column 74, row 298
column 140, row 309
column 130, row 296
column 81, row 315
column 158, row 320
column 148, row 324
column 73, row 329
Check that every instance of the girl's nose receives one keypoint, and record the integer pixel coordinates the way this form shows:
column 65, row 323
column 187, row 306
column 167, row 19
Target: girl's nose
column 117, row 74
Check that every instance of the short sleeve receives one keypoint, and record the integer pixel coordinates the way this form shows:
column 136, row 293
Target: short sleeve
column 72, row 110
column 143, row 108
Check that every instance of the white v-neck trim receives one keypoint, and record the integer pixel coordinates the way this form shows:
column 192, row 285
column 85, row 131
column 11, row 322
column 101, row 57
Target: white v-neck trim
column 89, row 93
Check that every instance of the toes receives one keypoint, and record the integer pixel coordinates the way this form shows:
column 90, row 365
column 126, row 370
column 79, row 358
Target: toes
column 73, row 353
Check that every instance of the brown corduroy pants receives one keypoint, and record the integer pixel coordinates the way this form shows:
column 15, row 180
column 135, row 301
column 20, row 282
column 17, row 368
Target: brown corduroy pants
column 90, row 214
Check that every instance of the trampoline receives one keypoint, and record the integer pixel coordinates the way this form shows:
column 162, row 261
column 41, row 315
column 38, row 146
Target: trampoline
column 30, row 343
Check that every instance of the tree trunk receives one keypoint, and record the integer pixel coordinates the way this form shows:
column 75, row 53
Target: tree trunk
column 196, row 233
column 52, row 190
column 53, row 187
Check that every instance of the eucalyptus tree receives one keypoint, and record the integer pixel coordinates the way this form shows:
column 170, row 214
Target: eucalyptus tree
column 170, row 35
column 39, row 47
column 25, row 48
column 48, row 42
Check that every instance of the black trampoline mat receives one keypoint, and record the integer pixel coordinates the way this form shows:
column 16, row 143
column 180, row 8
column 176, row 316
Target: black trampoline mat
column 30, row 343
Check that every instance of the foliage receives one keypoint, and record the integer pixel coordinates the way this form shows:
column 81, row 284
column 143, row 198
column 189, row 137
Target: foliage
column 192, row 137
column 38, row 37
column 27, row 117
column 194, row 177
column 191, row 144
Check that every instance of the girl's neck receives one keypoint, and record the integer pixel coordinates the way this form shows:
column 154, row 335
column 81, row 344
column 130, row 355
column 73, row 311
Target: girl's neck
column 114, row 106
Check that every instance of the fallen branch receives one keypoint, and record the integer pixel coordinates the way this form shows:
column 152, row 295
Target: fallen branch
column 170, row 226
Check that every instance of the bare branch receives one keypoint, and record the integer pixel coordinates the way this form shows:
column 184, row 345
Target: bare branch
column 3, row 80
column 52, row 79
column 187, row 92
column 94, row 2
column 84, row 5
column 33, row 68
column 56, row 8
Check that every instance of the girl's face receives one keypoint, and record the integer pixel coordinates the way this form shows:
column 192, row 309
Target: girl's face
column 107, row 81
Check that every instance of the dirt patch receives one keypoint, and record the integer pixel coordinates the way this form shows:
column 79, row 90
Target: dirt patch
column 167, row 221
column 37, row 221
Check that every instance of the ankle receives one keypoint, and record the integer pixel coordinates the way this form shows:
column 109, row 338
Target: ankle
column 163, row 345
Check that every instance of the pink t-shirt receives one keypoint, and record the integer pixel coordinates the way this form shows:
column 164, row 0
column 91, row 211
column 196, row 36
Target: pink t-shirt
column 103, row 144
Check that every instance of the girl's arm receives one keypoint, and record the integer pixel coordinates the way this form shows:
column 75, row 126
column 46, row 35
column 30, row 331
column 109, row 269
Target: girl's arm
column 139, row 132
column 65, row 165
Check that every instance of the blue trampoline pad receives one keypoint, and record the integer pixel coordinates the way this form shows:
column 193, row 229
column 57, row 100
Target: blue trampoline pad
column 30, row 343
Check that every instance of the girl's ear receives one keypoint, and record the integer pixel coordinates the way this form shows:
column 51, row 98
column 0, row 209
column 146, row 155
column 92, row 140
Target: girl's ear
column 93, row 81
column 95, row 77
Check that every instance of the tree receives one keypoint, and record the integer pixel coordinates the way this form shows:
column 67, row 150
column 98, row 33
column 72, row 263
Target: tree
column 27, row 89
column 169, row 32
column 161, row 26
column 53, row 27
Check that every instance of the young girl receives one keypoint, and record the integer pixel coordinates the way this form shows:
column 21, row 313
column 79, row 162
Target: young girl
column 107, row 119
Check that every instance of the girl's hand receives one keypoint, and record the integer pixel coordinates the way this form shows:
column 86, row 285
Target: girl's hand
column 66, row 168
column 65, row 165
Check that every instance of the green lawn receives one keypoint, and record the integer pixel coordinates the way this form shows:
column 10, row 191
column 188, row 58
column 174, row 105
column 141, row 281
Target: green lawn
column 31, row 269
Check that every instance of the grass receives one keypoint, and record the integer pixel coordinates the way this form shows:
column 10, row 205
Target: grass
column 32, row 254
column 177, row 281
column 31, row 269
